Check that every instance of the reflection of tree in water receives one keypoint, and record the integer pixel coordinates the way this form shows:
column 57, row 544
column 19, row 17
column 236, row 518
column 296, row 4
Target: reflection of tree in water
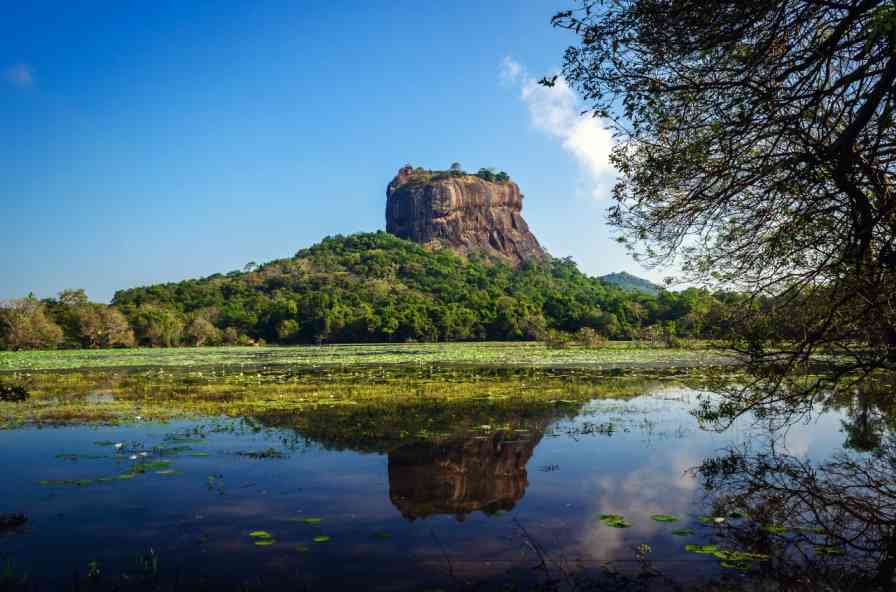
column 460, row 476
column 870, row 416
column 829, row 525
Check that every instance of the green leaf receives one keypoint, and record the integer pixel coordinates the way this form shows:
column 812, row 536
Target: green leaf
column 701, row 549
column 615, row 521
column 664, row 518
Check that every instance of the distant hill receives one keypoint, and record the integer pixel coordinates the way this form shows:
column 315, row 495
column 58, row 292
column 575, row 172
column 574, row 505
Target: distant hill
column 630, row 282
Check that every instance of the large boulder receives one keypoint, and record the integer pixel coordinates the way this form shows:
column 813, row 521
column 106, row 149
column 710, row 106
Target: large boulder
column 462, row 212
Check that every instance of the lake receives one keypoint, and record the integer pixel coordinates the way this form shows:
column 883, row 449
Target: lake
column 425, row 479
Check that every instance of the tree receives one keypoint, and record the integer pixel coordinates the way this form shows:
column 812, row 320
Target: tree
column 117, row 331
column 456, row 169
column 86, row 324
column 73, row 297
column 756, row 148
column 156, row 326
column 486, row 174
column 24, row 324
column 287, row 330
column 201, row 332
column 99, row 325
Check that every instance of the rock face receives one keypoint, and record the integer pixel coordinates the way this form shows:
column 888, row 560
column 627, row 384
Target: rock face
column 459, row 476
column 462, row 212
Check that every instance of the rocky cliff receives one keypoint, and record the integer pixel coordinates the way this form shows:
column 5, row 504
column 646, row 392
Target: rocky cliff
column 459, row 476
column 465, row 213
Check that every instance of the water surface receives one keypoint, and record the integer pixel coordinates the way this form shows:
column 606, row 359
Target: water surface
column 279, row 502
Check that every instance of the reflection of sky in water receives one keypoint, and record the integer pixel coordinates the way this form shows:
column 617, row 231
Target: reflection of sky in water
column 198, row 525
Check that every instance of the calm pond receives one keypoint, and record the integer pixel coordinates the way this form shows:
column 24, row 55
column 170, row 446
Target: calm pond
column 616, row 486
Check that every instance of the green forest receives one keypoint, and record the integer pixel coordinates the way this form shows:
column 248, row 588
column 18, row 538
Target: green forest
column 365, row 288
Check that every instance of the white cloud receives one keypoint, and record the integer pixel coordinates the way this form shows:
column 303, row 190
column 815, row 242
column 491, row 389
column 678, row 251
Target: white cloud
column 510, row 70
column 557, row 112
column 19, row 75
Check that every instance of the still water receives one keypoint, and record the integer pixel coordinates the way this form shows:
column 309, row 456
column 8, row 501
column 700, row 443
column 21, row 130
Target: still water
column 245, row 503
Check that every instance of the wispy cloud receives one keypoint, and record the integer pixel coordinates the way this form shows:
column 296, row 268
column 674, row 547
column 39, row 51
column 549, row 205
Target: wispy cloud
column 19, row 75
column 557, row 112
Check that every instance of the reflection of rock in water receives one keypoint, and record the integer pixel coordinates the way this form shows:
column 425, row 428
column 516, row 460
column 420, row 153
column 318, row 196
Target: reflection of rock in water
column 460, row 476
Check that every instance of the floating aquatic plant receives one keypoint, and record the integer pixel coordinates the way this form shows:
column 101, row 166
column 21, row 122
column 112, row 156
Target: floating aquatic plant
column 262, row 538
column 701, row 549
column 683, row 531
column 664, row 518
column 268, row 453
column 78, row 482
column 74, row 457
column 728, row 558
column 159, row 465
column 615, row 521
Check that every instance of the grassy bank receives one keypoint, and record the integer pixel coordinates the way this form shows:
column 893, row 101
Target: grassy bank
column 529, row 354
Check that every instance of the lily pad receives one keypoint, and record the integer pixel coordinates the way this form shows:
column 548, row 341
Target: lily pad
column 664, row 518
column 65, row 456
column 701, row 549
column 322, row 538
column 683, row 531
column 261, row 534
column 158, row 465
column 615, row 521
column 78, row 482
column 311, row 520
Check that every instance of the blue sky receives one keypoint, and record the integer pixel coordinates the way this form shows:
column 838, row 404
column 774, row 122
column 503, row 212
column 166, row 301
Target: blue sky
column 150, row 142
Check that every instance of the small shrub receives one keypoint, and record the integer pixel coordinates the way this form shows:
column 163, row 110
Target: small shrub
column 590, row 338
column 557, row 339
